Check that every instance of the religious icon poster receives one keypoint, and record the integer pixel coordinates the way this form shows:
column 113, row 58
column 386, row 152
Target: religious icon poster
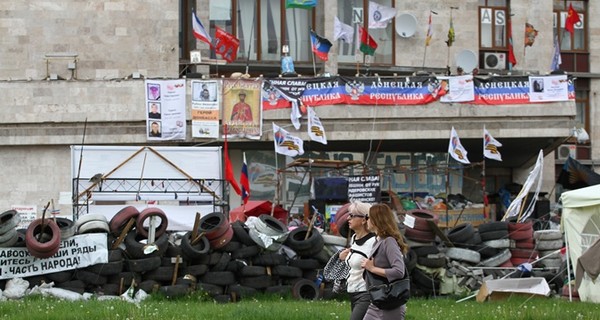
column 241, row 108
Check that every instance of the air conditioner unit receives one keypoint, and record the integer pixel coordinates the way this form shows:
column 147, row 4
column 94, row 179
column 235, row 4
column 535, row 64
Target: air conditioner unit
column 494, row 60
column 567, row 150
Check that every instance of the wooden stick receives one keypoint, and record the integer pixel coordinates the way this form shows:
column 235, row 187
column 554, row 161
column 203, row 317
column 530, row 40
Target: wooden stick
column 310, row 224
column 196, row 225
column 124, row 232
column 42, row 225
column 205, row 189
column 106, row 175
column 195, row 240
column 175, row 271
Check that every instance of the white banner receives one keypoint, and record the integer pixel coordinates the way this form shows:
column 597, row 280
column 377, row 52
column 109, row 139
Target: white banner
column 165, row 104
column 76, row 252
column 549, row 88
column 460, row 89
column 206, row 98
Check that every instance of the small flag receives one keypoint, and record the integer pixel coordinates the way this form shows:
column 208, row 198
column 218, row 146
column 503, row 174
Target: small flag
column 380, row 16
column 287, row 144
column 429, row 32
column 456, row 150
column 490, row 146
column 572, row 19
column 320, row 45
column 575, row 175
column 245, row 182
column 300, row 4
column 367, row 43
column 199, row 31
column 530, row 34
column 226, row 44
column 342, row 31
column 228, row 167
column 316, row 131
column 556, row 58
column 512, row 61
column 451, row 34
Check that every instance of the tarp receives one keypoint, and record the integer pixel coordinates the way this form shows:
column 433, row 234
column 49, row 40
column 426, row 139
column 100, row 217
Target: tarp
column 581, row 225
column 255, row 208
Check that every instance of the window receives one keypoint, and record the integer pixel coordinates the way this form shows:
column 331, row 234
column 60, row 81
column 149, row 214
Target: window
column 262, row 26
column 561, row 10
column 492, row 24
column 356, row 12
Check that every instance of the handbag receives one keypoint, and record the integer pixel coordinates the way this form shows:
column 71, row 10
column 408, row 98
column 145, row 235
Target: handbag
column 388, row 295
column 336, row 269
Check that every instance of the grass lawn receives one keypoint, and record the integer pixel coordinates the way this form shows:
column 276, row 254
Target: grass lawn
column 198, row 306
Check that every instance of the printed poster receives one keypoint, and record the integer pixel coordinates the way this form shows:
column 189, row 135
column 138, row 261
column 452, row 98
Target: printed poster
column 165, row 106
column 548, row 88
column 242, row 108
column 206, row 98
column 460, row 89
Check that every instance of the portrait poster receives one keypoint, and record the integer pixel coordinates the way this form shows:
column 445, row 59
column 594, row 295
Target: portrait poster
column 206, row 98
column 165, row 108
column 460, row 89
column 241, row 108
column 548, row 88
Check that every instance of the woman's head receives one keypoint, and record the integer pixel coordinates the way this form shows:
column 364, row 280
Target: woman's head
column 357, row 216
column 384, row 223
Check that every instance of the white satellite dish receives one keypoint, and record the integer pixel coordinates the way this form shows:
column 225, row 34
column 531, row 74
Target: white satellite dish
column 467, row 60
column 406, row 25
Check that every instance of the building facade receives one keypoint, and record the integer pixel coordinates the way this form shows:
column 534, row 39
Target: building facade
column 70, row 64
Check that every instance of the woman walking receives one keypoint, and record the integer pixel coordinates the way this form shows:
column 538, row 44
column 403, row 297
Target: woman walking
column 387, row 257
column 362, row 243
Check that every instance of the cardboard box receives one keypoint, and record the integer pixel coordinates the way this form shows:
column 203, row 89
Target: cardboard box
column 500, row 289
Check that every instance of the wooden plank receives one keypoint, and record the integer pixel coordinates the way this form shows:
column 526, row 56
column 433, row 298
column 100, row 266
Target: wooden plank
column 440, row 233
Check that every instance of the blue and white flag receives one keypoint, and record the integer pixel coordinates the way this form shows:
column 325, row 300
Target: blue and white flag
column 199, row 31
column 456, row 150
column 556, row 58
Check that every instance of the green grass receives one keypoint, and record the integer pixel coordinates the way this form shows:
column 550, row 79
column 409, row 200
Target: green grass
column 197, row 306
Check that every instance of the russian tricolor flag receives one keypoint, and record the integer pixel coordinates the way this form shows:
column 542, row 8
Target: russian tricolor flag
column 199, row 31
column 244, row 182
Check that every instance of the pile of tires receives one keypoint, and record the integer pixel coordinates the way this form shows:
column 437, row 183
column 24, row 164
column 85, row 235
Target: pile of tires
column 548, row 243
column 9, row 220
column 522, row 244
column 421, row 234
column 495, row 244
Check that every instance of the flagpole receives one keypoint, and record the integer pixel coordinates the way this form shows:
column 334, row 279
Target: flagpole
column 275, row 198
column 249, row 43
column 447, row 190
column 449, row 43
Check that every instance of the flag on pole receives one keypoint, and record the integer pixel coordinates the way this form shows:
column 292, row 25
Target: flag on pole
column 572, row 19
column 342, row 31
column 199, row 31
column 226, row 44
column 316, row 131
column 512, row 61
column 380, row 16
column 490, row 146
column 451, row 34
column 245, row 182
column 320, row 45
column 556, row 58
column 456, row 150
column 228, row 167
column 535, row 177
column 429, row 32
column 300, row 4
column 530, row 34
column 287, row 144
column 367, row 43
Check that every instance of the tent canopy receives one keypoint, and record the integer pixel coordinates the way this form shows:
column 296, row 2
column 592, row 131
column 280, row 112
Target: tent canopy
column 581, row 225
column 255, row 208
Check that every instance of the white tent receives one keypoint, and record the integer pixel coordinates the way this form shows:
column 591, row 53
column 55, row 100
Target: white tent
column 581, row 225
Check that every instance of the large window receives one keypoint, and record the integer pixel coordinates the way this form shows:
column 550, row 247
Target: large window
column 356, row 12
column 561, row 11
column 263, row 27
column 493, row 20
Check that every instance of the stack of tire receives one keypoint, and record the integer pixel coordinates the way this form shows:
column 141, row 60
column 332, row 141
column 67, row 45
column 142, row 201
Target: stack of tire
column 424, row 253
column 341, row 221
column 548, row 243
column 466, row 241
column 8, row 228
column 495, row 244
column 522, row 244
